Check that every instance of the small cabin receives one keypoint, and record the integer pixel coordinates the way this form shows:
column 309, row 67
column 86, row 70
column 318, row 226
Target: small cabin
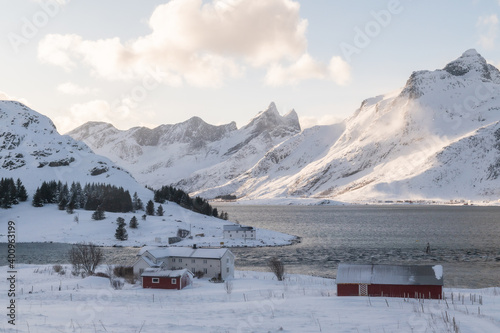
column 412, row 281
column 166, row 279
column 236, row 231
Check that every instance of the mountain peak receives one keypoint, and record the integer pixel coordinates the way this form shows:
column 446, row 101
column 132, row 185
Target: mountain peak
column 270, row 120
column 469, row 63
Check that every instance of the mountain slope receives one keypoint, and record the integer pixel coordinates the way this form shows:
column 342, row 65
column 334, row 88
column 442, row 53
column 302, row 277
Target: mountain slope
column 31, row 149
column 193, row 154
column 435, row 138
column 393, row 143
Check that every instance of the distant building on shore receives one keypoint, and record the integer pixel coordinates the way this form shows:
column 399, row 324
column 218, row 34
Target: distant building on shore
column 236, row 231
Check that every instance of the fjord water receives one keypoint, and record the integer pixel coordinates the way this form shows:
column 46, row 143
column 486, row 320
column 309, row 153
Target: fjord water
column 464, row 239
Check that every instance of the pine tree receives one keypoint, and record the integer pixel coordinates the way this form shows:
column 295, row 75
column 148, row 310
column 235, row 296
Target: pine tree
column 22, row 194
column 121, row 232
column 98, row 214
column 62, row 204
column 133, row 223
column 150, row 208
column 137, row 202
column 37, row 199
column 70, row 207
column 159, row 211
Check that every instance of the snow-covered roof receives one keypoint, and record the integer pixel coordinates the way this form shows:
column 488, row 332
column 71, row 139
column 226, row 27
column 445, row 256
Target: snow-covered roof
column 164, row 273
column 236, row 227
column 390, row 274
column 187, row 252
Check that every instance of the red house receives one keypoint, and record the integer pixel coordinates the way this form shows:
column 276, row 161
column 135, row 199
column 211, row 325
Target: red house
column 166, row 279
column 416, row 281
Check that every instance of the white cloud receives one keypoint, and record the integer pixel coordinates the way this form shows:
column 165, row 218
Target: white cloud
column 488, row 30
column 6, row 97
column 201, row 43
column 308, row 68
column 70, row 88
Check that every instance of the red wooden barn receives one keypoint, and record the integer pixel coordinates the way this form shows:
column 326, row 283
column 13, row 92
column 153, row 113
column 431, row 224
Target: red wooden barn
column 416, row 281
column 166, row 279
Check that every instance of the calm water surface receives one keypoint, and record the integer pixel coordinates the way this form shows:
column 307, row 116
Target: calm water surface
column 464, row 239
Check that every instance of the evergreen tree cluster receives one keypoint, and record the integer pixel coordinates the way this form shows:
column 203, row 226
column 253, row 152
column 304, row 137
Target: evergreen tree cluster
column 11, row 193
column 91, row 197
column 198, row 204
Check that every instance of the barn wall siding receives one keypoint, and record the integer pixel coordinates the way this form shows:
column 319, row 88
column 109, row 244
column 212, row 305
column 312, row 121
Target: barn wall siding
column 165, row 283
column 374, row 290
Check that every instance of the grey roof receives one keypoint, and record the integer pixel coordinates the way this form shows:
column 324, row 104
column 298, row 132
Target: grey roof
column 237, row 227
column 164, row 273
column 390, row 274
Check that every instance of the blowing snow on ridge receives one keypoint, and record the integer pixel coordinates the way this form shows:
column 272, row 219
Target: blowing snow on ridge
column 437, row 138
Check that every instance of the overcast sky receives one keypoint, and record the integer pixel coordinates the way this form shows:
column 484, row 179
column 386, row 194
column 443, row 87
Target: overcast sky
column 150, row 62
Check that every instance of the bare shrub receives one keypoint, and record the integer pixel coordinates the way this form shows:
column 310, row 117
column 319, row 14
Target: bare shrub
column 277, row 267
column 58, row 269
column 85, row 257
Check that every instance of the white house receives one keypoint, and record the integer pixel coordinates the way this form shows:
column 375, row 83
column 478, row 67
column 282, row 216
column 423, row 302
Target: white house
column 236, row 231
column 211, row 262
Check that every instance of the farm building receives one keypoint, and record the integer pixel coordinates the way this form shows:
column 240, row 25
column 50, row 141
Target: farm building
column 235, row 231
column 166, row 279
column 211, row 262
column 415, row 281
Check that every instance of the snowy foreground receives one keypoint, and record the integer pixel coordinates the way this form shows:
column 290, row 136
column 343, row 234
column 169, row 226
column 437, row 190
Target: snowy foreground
column 48, row 224
column 257, row 303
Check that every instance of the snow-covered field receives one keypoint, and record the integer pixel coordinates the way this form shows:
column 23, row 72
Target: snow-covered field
column 49, row 302
column 48, row 224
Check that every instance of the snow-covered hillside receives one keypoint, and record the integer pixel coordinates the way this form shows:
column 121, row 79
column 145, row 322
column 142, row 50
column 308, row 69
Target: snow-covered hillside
column 31, row 149
column 192, row 155
column 48, row 224
column 50, row 302
column 435, row 138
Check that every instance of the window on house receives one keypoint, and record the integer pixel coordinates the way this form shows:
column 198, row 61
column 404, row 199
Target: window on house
column 180, row 260
column 193, row 261
column 204, row 261
column 141, row 271
column 173, row 260
column 155, row 280
column 205, row 270
column 227, row 260
column 174, row 281
column 227, row 270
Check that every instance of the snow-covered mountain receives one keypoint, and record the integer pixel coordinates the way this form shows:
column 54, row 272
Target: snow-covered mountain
column 31, row 149
column 436, row 138
column 192, row 155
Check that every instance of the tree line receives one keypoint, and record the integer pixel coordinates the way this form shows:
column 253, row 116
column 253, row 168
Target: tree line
column 90, row 197
column 198, row 204
column 11, row 193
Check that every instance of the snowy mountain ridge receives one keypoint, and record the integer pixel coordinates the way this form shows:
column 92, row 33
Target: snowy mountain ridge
column 31, row 149
column 191, row 154
column 433, row 139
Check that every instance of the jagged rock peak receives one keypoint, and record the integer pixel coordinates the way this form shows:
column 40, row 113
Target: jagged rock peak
column 470, row 66
column 270, row 118
column 471, row 62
